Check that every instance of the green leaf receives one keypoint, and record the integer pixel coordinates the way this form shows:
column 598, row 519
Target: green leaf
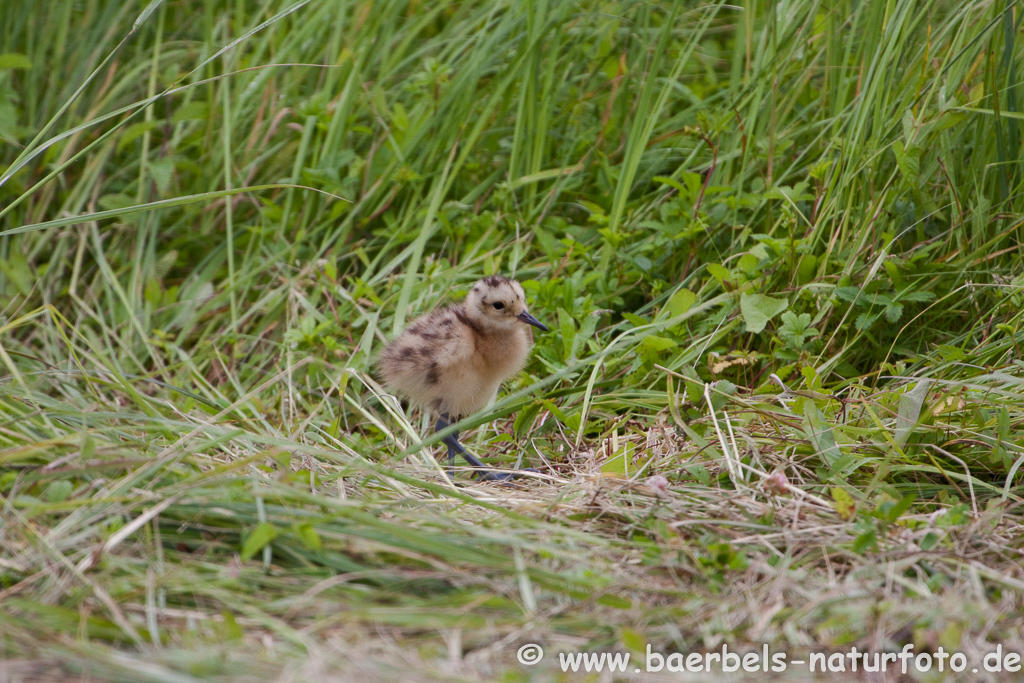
column 616, row 464
column 844, row 503
column 806, row 269
column 720, row 273
column 655, row 343
column 672, row 183
column 263, row 534
column 821, row 435
column 795, row 328
column 865, row 541
column 864, row 321
column 335, row 427
column 588, row 326
column 848, row 293
column 59, row 491
column 642, row 262
column 812, row 380
column 635, row 319
column 758, row 309
column 955, row 516
column 908, row 162
column 893, row 270
column 524, row 419
column 681, row 302
column 9, row 128
column 633, row 640
column 13, row 60
column 152, row 292
column 133, row 132
column 951, row 353
column 748, row 263
column 929, row 541
column 230, row 630
column 162, row 170
column 911, row 403
column 908, row 125
column 615, row 601
column 721, row 390
column 119, row 200
column 567, row 326
column 916, row 296
column 891, row 510
column 399, row 117
column 893, row 312
column 16, row 267
column 695, row 387
column 308, row 535
column 166, row 262
column 192, row 111
column 651, row 346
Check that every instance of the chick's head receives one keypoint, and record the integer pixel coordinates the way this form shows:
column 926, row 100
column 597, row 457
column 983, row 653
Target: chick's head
column 498, row 303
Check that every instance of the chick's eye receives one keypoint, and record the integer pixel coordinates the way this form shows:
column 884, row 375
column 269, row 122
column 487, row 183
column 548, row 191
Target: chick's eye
column 498, row 305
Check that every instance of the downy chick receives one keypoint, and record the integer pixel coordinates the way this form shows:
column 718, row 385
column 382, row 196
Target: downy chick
column 452, row 360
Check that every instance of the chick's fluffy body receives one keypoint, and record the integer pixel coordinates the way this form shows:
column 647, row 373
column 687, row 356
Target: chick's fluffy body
column 453, row 360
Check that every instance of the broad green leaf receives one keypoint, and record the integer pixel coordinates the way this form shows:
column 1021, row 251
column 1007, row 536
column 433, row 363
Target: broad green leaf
column 849, row 294
column 890, row 510
column 263, row 534
column 633, row 640
column 309, row 537
column 720, row 273
column 635, row 319
column 230, row 630
column 911, row 403
column 59, row 491
column 162, row 171
column 748, row 263
column 192, row 111
column 655, row 343
column 721, row 390
column 681, row 302
column 951, row 353
column 865, row 541
column 806, row 269
column 796, row 328
column 13, row 60
column 616, row 601
column 693, row 384
column 133, row 132
column 567, row 326
column 16, row 267
column 152, row 292
column 908, row 125
column 844, row 503
column 616, row 464
column 908, row 162
column 758, row 309
column 821, row 435
column 652, row 346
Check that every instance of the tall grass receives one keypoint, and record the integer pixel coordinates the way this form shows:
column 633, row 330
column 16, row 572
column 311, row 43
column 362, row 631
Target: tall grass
column 778, row 245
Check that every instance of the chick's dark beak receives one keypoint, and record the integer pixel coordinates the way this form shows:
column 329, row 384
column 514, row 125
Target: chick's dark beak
column 530, row 320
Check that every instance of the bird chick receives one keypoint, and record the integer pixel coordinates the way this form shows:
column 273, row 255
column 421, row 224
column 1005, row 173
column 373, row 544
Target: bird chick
column 452, row 360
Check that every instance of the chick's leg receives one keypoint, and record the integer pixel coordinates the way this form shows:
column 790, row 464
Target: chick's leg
column 452, row 441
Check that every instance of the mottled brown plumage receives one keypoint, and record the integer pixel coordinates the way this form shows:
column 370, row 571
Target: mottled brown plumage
column 453, row 360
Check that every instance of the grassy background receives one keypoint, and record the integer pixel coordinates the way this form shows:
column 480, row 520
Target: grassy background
column 777, row 245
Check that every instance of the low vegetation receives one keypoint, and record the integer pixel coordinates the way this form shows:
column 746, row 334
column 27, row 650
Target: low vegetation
column 777, row 245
